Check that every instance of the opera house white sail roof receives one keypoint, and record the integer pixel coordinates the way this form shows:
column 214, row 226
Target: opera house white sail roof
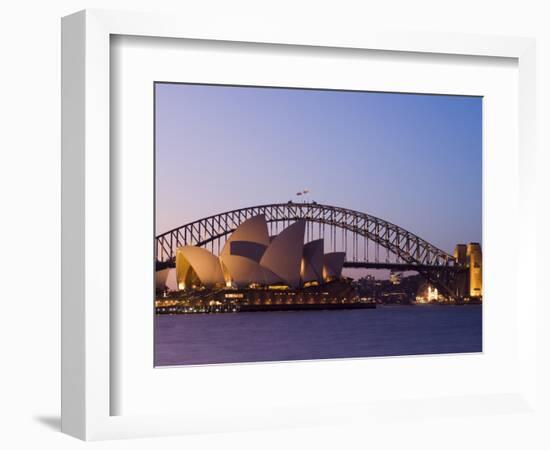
column 251, row 257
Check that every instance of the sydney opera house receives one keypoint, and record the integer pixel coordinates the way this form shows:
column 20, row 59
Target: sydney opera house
column 256, row 271
column 251, row 259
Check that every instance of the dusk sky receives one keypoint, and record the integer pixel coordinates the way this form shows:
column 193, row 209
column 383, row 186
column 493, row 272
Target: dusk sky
column 414, row 160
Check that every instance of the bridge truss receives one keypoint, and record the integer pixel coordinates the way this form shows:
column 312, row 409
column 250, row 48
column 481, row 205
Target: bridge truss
column 368, row 241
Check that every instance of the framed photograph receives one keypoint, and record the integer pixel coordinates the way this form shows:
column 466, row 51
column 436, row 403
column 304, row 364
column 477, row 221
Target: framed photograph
column 315, row 249
column 267, row 228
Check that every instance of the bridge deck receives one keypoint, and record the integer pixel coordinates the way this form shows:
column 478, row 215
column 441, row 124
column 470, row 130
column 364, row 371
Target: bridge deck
column 397, row 266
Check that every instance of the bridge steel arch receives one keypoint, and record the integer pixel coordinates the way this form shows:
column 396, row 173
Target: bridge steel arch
column 406, row 246
column 410, row 251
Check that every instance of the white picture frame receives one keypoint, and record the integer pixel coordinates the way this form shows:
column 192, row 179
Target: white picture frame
column 87, row 354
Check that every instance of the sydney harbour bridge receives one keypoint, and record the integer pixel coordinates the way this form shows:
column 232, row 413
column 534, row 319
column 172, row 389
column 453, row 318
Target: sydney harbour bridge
column 369, row 242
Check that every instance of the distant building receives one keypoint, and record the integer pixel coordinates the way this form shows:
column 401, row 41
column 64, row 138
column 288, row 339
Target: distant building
column 433, row 295
column 428, row 294
column 395, row 278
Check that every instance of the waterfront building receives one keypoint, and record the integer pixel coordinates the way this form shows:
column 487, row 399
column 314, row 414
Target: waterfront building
column 252, row 258
column 395, row 278
column 433, row 294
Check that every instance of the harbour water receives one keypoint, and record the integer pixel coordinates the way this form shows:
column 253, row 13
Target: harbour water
column 299, row 335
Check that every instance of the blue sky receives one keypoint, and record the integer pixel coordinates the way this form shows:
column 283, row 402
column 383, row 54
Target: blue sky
column 414, row 160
